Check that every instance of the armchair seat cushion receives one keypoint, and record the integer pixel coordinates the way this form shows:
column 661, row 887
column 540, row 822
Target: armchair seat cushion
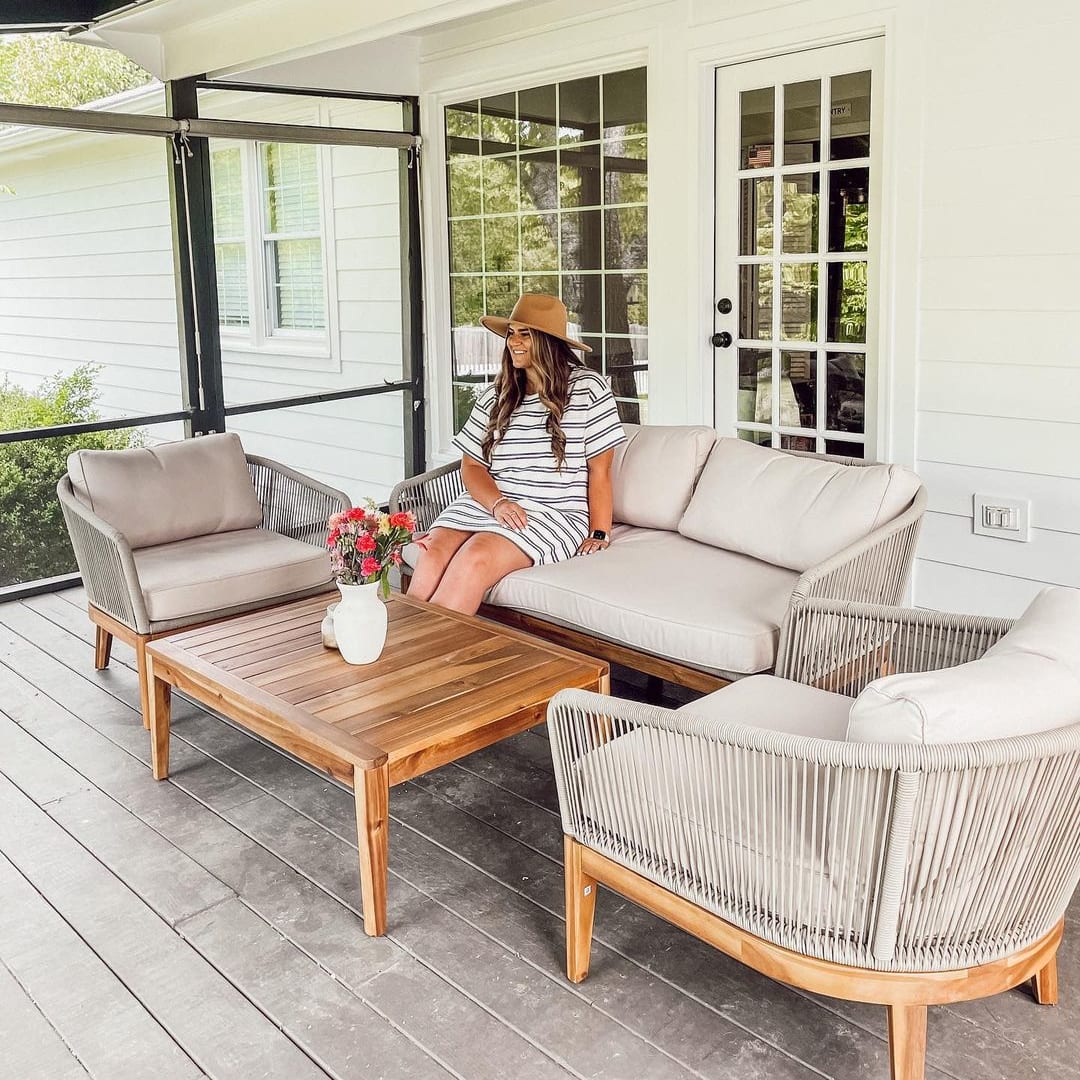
column 764, row 701
column 661, row 593
column 226, row 570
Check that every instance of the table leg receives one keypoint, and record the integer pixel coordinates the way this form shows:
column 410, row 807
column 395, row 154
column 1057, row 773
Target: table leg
column 160, row 710
column 371, row 788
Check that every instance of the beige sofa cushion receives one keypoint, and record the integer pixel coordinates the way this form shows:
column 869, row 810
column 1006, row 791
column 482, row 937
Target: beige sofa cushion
column 156, row 494
column 226, row 570
column 791, row 511
column 654, row 473
column 764, row 701
column 659, row 592
column 1011, row 690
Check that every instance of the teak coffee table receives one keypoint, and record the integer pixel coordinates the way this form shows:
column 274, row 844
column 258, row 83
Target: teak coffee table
column 445, row 685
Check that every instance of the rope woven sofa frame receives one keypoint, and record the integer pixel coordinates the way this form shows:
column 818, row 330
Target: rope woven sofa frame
column 901, row 875
column 875, row 569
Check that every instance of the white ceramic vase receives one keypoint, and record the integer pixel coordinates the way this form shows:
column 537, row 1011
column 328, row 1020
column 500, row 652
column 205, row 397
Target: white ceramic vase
column 360, row 623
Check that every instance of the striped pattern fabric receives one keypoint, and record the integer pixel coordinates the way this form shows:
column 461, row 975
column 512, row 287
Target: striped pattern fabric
column 524, row 468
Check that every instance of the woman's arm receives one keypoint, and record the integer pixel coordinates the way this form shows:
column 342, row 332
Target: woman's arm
column 600, row 501
column 480, row 484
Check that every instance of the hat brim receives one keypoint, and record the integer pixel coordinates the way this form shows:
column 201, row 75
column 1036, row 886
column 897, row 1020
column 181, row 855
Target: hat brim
column 499, row 326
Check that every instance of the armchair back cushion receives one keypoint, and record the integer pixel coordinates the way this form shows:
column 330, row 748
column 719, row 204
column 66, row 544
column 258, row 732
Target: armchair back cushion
column 791, row 511
column 654, row 473
column 1028, row 682
column 156, row 495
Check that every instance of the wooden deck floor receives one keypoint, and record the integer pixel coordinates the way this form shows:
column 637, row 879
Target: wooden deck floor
column 210, row 925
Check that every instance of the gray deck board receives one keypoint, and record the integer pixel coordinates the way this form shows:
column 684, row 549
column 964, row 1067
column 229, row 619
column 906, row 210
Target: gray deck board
column 245, row 863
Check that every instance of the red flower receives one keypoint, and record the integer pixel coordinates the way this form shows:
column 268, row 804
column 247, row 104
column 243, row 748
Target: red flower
column 355, row 513
column 365, row 543
column 370, row 567
column 333, row 538
column 403, row 520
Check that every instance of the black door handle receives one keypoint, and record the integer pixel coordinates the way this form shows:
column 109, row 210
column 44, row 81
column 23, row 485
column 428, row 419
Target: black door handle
column 721, row 340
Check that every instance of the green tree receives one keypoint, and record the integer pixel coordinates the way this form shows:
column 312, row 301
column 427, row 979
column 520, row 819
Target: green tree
column 47, row 69
column 33, row 540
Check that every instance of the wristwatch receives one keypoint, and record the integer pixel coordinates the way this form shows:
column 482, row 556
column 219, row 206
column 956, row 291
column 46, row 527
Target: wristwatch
column 599, row 534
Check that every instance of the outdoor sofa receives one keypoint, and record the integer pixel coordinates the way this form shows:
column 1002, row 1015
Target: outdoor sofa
column 716, row 543
column 916, row 845
column 171, row 536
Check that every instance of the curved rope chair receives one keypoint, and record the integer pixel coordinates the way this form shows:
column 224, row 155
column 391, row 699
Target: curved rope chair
column 902, row 875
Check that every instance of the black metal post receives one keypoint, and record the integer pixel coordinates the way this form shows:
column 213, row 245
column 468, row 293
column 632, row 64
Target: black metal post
column 412, row 305
column 195, row 266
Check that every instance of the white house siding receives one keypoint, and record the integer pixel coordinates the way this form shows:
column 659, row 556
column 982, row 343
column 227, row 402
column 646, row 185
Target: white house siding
column 981, row 238
column 86, row 274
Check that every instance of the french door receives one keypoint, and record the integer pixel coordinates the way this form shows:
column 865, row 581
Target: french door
column 797, row 211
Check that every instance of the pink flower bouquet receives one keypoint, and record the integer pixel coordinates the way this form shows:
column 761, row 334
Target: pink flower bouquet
column 365, row 543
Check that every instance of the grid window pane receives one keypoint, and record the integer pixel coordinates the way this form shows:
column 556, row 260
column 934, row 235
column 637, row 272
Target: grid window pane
column 547, row 192
column 230, row 244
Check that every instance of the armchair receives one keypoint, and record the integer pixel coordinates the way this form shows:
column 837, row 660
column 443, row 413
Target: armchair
column 186, row 533
column 903, row 873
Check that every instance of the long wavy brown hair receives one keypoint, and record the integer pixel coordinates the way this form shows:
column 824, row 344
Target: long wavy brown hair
column 553, row 360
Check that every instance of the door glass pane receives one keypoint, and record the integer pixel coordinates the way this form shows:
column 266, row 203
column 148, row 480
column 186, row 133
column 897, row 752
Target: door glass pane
column 581, row 237
column 799, row 307
column 845, row 392
column 798, row 372
column 463, row 122
column 581, row 293
column 756, row 216
column 802, row 122
column 500, row 185
column 805, row 443
column 847, row 302
column 755, row 301
column 800, row 214
column 850, row 116
column 626, row 300
column 761, row 438
column 755, row 385
column 539, row 242
column 626, row 239
column 466, row 246
column 845, row 449
column 757, row 121
column 624, row 104
column 501, row 244
column 849, row 209
column 626, row 172
column 538, row 178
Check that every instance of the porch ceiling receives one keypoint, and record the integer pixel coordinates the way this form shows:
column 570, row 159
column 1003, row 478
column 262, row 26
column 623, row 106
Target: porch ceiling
column 195, row 37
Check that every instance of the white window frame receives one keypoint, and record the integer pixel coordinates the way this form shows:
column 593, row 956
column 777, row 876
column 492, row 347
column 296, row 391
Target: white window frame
column 282, row 347
column 437, row 319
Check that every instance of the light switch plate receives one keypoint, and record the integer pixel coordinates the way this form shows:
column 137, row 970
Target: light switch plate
column 1003, row 517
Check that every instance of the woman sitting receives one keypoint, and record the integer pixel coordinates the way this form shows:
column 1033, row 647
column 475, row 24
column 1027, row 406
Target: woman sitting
column 536, row 464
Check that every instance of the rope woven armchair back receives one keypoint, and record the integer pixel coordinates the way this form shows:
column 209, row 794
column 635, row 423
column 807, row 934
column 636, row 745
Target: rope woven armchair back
column 907, row 872
column 171, row 536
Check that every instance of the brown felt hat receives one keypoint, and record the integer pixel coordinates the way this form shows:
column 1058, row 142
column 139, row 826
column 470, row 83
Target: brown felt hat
column 537, row 311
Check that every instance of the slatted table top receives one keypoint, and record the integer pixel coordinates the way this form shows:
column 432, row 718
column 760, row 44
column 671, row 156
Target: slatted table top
column 442, row 677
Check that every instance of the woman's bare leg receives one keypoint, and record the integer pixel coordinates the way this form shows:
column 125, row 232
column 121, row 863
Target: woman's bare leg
column 442, row 546
column 484, row 559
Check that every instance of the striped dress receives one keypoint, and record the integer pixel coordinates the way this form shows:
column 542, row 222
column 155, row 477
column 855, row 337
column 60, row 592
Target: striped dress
column 524, row 468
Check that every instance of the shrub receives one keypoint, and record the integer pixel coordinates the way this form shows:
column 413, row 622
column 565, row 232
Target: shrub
column 33, row 540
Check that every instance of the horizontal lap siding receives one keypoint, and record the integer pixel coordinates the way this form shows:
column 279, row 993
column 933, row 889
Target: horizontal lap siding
column 999, row 371
column 86, row 275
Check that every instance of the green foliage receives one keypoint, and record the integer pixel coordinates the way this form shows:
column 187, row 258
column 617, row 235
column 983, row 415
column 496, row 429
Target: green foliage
column 47, row 69
column 33, row 539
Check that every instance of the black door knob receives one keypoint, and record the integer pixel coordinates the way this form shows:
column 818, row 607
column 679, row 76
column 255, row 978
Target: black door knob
column 724, row 306
column 721, row 340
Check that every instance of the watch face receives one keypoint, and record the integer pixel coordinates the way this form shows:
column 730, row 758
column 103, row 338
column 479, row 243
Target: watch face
column 599, row 534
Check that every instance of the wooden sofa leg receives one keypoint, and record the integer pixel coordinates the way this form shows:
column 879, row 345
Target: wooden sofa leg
column 1045, row 983
column 144, row 679
column 580, row 908
column 907, row 1042
column 102, row 648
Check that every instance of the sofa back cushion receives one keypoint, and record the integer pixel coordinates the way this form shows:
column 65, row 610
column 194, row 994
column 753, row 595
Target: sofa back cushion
column 1028, row 682
column 155, row 495
column 654, row 473
column 791, row 511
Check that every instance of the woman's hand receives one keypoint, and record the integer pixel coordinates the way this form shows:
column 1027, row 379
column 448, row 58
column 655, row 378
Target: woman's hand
column 589, row 546
column 510, row 515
